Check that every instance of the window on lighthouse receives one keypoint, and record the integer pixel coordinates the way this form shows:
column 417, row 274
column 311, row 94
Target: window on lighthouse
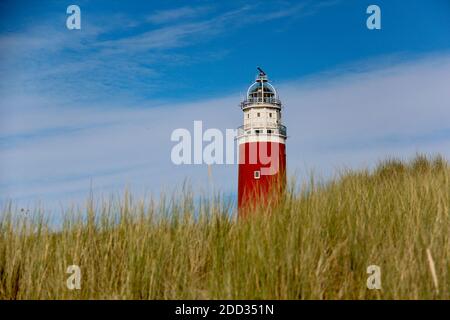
column 257, row 174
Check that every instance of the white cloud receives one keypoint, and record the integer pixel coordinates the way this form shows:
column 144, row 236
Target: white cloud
column 123, row 55
column 177, row 14
column 334, row 120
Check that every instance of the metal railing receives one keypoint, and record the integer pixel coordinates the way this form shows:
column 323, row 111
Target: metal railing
column 261, row 124
column 260, row 100
column 279, row 130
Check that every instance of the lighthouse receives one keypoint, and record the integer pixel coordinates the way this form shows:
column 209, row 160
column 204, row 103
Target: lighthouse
column 262, row 146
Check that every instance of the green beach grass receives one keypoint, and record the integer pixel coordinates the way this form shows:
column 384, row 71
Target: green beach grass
column 316, row 242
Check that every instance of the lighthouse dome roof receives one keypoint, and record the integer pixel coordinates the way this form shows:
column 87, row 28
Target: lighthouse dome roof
column 261, row 89
column 261, row 93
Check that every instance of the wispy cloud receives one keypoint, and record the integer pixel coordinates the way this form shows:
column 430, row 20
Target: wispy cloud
column 347, row 118
column 121, row 56
column 162, row 38
column 177, row 14
column 71, row 110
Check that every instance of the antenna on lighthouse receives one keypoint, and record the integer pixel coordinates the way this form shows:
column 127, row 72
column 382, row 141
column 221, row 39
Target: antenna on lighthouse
column 261, row 71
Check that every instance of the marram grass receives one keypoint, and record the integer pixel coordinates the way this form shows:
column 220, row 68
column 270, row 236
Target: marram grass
column 315, row 243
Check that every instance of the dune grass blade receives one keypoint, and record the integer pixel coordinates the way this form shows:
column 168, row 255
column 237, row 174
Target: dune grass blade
column 316, row 242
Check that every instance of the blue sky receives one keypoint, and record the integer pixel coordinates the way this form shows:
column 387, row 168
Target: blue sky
column 94, row 108
column 205, row 49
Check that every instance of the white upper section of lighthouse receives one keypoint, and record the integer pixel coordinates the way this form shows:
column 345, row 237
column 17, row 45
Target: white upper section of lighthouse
column 262, row 111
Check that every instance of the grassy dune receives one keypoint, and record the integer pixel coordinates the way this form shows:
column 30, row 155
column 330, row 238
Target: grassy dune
column 316, row 243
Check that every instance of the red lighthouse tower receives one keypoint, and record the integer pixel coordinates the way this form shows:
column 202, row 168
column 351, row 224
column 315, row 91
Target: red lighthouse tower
column 262, row 146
